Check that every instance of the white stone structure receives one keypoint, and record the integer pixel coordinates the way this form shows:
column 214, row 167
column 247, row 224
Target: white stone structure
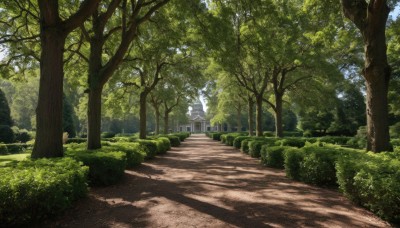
column 197, row 120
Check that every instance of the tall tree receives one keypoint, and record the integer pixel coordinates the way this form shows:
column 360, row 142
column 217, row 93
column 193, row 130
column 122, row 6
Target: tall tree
column 370, row 17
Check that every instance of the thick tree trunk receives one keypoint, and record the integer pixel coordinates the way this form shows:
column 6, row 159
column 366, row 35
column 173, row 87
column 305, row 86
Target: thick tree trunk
column 94, row 119
column 166, row 122
column 278, row 116
column 259, row 112
column 49, row 131
column 157, row 122
column 142, row 116
column 239, row 119
column 370, row 17
column 251, row 115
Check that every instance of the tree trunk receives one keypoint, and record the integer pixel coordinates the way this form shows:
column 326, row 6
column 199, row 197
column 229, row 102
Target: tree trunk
column 142, row 116
column 239, row 119
column 278, row 116
column 166, row 122
column 157, row 121
column 94, row 119
column 370, row 17
column 259, row 131
column 49, row 131
column 251, row 115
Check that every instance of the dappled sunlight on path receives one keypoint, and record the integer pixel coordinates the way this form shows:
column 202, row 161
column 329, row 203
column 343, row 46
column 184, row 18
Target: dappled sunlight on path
column 203, row 183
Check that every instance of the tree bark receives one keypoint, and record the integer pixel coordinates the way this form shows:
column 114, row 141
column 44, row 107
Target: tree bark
column 251, row 115
column 166, row 122
column 259, row 131
column 49, row 131
column 157, row 121
column 94, row 119
column 239, row 119
column 278, row 116
column 370, row 18
column 142, row 116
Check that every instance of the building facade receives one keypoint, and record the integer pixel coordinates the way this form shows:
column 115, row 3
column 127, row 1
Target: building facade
column 197, row 120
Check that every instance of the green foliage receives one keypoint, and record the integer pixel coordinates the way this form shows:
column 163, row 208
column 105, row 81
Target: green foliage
column 293, row 142
column 230, row 138
column 216, row 136
column 237, row 143
column 6, row 134
column 273, row 156
column 135, row 152
column 293, row 159
column 3, row 149
column 340, row 140
column 107, row 135
column 5, row 117
column 244, row 147
column 163, row 144
column 68, row 118
column 22, row 135
column 255, row 148
column 373, row 181
column 106, row 166
column 174, row 140
column 182, row 135
column 395, row 130
column 151, row 147
column 13, row 148
column 34, row 190
column 76, row 140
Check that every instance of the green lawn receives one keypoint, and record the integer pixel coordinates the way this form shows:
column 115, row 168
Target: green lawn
column 4, row 159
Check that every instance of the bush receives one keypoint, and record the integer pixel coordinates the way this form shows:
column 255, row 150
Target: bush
column 182, row 135
column 230, row 138
column 293, row 159
column 22, row 136
column 135, row 153
column 292, row 142
column 268, row 134
column 216, row 136
column 174, row 140
column 373, row 181
column 107, row 135
column 6, row 134
column 318, row 165
column 163, row 145
column 16, row 148
column 105, row 167
column 237, row 143
column 292, row 133
column 151, row 147
column 340, row 140
column 34, row 190
column 245, row 145
column 255, row 148
column 273, row 156
column 76, row 140
column 223, row 138
column 3, row 149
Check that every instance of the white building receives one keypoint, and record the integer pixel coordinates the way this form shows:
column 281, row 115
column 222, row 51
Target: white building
column 197, row 120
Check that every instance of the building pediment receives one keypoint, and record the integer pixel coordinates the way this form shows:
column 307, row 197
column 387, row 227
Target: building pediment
column 198, row 118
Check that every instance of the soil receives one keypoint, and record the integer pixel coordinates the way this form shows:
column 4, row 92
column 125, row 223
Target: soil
column 204, row 183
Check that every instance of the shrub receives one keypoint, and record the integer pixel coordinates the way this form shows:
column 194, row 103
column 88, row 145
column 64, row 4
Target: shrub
column 373, row 181
column 318, row 165
column 174, row 140
column 107, row 135
column 135, row 152
column 238, row 141
column 105, row 168
column 33, row 190
column 292, row 133
column 216, row 136
column 230, row 138
column 255, row 148
column 293, row 142
column 16, row 148
column 293, row 159
column 3, row 149
column 245, row 145
column 223, row 138
column 151, row 147
column 76, row 140
column 22, row 135
column 182, row 135
column 273, row 156
column 268, row 134
column 163, row 145
column 341, row 140
column 6, row 134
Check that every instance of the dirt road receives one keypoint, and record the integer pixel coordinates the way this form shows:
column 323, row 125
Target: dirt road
column 203, row 183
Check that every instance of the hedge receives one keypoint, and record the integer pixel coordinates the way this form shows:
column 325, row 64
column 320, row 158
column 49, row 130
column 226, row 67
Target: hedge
column 151, row 147
column 174, row 140
column 273, row 156
column 135, row 152
column 31, row 191
column 237, row 143
column 216, row 136
column 105, row 167
column 373, row 181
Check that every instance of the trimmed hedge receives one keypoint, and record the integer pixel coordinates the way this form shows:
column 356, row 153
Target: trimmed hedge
column 273, row 156
column 373, row 181
column 182, row 135
column 293, row 142
column 216, row 136
column 237, row 143
column 105, row 168
column 293, row 159
column 135, row 152
column 151, row 147
column 13, row 148
column 255, row 148
column 34, row 190
column 174, row 140
column 340, row 140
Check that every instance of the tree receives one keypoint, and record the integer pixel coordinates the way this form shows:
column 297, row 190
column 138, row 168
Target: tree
column 68, row 118
column 6, row 134
column 370, row 17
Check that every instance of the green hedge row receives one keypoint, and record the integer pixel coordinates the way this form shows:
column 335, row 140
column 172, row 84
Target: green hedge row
column 33, row 190
column 13, row 148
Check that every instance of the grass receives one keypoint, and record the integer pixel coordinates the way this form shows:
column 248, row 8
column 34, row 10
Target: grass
column 5, row 159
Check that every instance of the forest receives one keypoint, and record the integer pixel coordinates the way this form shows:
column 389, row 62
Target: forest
column 110, row 80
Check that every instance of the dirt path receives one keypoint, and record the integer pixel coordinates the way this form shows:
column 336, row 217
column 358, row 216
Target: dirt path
column 206, row 184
